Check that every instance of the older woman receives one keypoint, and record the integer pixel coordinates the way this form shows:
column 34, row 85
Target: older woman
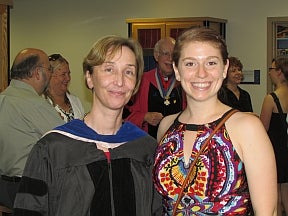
column 99, row 165
column 67, row 105
column 231, row 94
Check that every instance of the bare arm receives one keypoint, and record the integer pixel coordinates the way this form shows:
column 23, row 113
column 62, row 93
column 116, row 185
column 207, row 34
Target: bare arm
column 266, row 111
column 253, row 145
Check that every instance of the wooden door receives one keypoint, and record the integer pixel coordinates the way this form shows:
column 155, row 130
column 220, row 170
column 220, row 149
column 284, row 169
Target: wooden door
column 4, row 43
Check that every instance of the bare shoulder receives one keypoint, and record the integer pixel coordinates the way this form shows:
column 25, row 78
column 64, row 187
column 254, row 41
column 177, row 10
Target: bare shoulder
column 164, row 125
column 244, row 126
column 244, row 120
column 246, row 132
column 268, row 99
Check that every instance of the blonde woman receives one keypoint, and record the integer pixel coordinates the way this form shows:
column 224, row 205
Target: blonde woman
column 67, row 104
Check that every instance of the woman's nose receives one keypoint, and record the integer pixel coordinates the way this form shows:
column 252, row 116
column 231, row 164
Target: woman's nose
column 201, row 72
column 68, row 77
column 119, row 79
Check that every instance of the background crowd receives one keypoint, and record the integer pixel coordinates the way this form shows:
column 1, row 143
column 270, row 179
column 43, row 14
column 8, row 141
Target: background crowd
column 52, row 154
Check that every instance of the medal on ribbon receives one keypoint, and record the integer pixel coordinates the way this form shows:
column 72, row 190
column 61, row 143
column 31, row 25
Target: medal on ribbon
column 165, row 94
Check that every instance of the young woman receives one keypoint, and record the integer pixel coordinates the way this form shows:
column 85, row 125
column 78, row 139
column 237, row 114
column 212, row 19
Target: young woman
column 275, row 124
column 237, row 167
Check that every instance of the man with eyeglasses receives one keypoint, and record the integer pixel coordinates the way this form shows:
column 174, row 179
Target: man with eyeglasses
column 159, row 94
column 25, row 116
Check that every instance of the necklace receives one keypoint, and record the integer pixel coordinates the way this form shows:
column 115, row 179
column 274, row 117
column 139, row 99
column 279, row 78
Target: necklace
column 65, row 115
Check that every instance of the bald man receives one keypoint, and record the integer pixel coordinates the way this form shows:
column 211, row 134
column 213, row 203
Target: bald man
column 24, row 117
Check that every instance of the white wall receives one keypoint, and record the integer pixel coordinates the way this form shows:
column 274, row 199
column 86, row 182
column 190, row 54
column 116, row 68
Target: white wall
column 71, row 27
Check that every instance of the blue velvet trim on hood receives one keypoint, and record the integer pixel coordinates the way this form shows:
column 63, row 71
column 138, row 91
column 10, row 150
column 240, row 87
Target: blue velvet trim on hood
column 127, row 132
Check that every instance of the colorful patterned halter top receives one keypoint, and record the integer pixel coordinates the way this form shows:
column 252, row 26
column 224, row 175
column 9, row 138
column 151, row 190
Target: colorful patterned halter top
column 218, row 184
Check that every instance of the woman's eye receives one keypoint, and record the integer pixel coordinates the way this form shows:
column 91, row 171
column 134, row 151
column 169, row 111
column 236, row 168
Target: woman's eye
column 190, row 64
column 108, row 69
column 130, row 72
column 211, row 63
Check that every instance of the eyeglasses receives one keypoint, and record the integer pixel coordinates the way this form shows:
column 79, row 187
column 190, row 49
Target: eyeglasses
column 272, row 68
column 54, row 57
column 166, row 54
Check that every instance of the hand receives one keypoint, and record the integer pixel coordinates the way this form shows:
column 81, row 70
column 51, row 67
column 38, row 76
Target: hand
column 153, row 118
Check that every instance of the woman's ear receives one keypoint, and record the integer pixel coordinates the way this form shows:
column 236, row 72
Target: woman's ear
column 224, row 74
column 89, row 81
column 177, row 75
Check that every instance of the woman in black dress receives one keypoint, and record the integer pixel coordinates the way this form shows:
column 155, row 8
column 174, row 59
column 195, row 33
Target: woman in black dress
column 275, row 123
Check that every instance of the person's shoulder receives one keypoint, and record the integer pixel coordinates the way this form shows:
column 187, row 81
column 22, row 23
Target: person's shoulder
column 149, row 73
column 169, row 119
column 72, row 96
column 74, row 129
column 147, row 78
column 75, row 99
column 244, row 120
column 243, row 91
column 244, row 115
column 281, row 93
column 165, row 123
column 130, row 131
column 268, row 98
column 76, row 126
column 20, row 90
column 244, row 126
